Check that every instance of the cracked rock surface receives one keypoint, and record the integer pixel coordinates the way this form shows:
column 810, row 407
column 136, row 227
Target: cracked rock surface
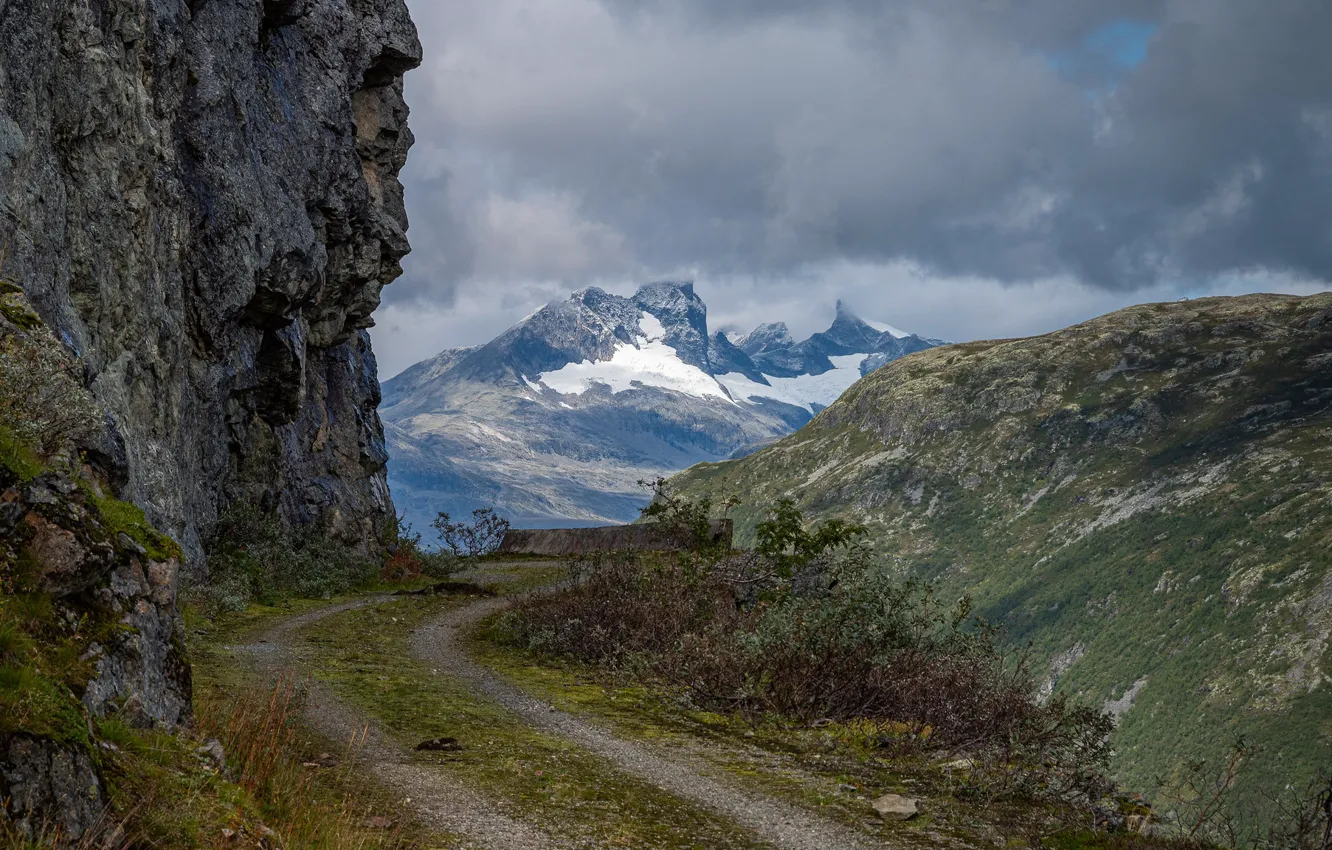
column 202, row 199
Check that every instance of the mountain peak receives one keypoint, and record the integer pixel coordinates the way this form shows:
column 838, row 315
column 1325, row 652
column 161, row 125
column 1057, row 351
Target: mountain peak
column 667, row 288
column 845, row 311
column 767, row 337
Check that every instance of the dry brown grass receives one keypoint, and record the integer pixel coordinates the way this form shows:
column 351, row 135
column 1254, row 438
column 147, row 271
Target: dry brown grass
column 275, row 791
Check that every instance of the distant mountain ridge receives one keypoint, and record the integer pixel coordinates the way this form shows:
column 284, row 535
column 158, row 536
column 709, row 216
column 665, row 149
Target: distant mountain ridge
column 556, row 419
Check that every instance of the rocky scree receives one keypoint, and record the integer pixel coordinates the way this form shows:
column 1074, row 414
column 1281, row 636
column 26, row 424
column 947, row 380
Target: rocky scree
column 202, row 200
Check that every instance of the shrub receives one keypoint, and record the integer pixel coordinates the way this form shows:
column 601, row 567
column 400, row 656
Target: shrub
column 482, row 536
column 408, row 559
column 686, row 523
column 252, row 556
column 809, row 628
column 43, row 403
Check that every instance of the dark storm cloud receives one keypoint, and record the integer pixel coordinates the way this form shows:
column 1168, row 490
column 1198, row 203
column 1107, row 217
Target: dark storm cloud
column 1120, row 144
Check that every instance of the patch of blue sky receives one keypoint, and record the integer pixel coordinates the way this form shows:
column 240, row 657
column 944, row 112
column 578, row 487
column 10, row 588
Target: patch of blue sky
column 1125, row 41
column 1104, row 56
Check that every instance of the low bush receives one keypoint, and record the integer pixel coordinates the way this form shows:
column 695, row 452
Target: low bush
column 809, row 628
column 408, row 559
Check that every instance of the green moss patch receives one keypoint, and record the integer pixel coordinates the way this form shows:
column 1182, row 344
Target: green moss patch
column 42, row 670
column 122, row 517
column 17, row 458
column 14, row 309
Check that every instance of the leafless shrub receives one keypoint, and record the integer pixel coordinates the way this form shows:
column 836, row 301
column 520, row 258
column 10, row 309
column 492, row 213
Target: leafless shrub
column 481, row 536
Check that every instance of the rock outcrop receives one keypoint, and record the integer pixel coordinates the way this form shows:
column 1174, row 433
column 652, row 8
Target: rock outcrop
column 113, row 601
column 202, row 199
column 88, row 621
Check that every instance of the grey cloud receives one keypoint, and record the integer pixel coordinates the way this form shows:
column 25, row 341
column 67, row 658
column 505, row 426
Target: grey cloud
column 574, row 140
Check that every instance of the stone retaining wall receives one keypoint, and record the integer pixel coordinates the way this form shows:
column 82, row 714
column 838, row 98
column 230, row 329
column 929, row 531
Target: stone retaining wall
column 613, row 538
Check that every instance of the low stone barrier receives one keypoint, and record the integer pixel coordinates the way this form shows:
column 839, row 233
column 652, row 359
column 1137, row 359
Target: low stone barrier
column 555, row 542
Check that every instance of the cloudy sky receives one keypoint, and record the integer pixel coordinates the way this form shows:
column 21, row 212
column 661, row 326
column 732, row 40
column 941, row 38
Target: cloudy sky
column 968, row 169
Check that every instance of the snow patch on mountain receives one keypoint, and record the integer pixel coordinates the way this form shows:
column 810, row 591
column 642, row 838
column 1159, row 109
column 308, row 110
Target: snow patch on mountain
column 512, row 424
column 897, row 333
column 812, row 392
column 652, row 363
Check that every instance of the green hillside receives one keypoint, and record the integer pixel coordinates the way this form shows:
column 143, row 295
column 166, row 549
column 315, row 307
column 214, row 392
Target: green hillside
column 1145, row 498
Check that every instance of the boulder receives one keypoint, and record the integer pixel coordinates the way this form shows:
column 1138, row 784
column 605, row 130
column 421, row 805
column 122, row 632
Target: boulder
column 896, row 807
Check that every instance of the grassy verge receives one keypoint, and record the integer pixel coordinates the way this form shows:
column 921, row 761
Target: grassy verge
column 364, row 656
column 314, row 792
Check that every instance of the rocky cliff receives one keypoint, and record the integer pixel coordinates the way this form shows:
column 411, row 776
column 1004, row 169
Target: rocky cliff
column 88, row 623
column 202, row 199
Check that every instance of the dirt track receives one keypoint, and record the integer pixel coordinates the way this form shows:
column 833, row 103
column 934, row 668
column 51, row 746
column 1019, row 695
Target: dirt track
column 445, row 804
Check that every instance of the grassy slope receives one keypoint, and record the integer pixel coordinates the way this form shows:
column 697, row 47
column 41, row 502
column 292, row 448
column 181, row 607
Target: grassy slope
column 1146, row 498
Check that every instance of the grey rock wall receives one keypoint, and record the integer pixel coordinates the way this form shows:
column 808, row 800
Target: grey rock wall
column 48, row 788
column 202, row 198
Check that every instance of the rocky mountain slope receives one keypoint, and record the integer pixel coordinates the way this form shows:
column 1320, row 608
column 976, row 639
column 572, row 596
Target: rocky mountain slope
column 1145, row 498
column 202, row 199
column 557, row 419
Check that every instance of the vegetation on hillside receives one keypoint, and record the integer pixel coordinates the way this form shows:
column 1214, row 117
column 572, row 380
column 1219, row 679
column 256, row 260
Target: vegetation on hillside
column 1143, row 499
column 808, row 627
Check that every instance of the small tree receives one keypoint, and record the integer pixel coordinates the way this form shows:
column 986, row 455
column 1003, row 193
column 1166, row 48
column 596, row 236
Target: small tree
column 685, row 522
column 482, row 536
column 783, row 539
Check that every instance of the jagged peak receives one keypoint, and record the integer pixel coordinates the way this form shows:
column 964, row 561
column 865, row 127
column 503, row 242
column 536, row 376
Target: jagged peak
column 684, row 287
column 588, row 294
column 846, row 311
column 771, row 331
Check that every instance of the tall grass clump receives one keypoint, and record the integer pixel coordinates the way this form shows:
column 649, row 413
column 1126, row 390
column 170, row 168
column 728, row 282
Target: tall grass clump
column 268, row 761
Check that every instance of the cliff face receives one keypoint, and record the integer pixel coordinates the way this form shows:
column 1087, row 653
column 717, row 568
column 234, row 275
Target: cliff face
column 201, row 197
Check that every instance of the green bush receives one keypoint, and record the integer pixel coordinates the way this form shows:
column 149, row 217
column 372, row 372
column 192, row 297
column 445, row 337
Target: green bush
column 810, row 628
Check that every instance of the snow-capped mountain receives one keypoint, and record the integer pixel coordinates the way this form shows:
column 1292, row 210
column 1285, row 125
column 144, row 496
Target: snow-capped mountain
column 557, row 419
